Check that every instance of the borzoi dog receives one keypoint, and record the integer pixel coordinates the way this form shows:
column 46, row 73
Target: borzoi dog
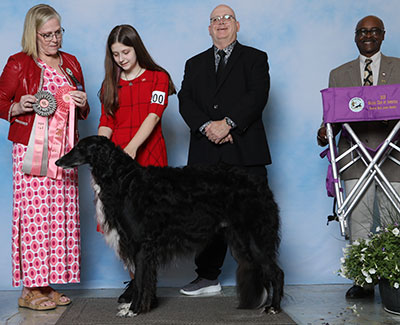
column 152, row 214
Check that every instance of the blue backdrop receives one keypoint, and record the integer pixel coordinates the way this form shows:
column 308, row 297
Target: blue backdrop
column 304, row 41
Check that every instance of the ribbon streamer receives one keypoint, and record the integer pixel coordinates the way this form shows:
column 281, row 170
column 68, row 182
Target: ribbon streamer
column 57, row 129
column 35, row 162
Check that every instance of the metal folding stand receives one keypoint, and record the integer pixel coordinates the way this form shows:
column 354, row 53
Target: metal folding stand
column 359, row 104
column 372, row 172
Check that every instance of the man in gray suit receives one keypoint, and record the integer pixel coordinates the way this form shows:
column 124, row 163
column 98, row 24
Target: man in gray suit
column 370, row 68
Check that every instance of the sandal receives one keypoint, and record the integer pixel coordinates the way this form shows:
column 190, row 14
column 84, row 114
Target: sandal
column 56, row 297
column 34, row 300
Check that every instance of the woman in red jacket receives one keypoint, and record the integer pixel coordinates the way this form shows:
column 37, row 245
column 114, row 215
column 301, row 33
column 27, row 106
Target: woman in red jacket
column 134, row 95
column 42, row 95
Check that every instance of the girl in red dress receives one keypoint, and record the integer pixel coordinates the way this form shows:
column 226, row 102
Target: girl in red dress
column 134, row 95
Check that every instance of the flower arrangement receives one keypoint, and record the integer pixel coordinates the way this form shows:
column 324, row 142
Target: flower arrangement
column 368, row 261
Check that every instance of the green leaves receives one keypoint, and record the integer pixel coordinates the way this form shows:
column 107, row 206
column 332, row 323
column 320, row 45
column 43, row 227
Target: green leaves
column 367, row 261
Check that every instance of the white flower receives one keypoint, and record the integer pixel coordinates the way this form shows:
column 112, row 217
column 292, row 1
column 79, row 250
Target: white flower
column 396, row 231
column 368, row 279
column 365, row 273
column 362, row 258
column 378, row 229
column 372, row 271
column 356, row 243
column 396, row 285
column 342, row 260
column 364, row 249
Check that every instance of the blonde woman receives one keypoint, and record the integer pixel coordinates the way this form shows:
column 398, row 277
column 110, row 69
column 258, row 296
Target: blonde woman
column 45, row 226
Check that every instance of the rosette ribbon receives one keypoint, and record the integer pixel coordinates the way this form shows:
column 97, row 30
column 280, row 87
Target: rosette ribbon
column 58, row 128
column 35, row 161
column 47, row 142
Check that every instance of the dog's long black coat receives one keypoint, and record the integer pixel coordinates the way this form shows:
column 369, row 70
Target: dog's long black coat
column 161, row 212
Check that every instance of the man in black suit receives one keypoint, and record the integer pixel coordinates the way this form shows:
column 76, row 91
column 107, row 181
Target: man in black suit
column 223, row 94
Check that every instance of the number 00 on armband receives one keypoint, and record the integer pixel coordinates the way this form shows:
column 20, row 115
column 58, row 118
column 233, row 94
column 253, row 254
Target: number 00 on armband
column 158, row 97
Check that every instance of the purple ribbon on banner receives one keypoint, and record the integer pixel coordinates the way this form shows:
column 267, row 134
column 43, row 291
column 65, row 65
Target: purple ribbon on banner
column 355, row 104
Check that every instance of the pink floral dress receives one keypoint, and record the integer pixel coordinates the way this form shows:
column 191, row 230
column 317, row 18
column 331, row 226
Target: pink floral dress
column 45, row 227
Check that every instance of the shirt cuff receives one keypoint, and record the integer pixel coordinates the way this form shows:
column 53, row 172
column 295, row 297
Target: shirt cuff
column 203, row 127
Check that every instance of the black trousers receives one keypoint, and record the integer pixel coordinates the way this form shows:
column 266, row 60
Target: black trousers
column 210, row 260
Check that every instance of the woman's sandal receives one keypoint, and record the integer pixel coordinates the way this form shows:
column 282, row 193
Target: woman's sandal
column 34, row 300
column 56, row 297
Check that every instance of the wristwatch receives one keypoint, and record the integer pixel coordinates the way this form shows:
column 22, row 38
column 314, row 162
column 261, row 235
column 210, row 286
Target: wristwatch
column 230, row 122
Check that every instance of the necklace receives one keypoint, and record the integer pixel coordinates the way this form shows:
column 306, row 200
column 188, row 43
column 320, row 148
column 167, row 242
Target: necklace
column 137, row 74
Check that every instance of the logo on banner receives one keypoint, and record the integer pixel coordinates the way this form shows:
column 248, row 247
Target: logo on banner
column 356, row 104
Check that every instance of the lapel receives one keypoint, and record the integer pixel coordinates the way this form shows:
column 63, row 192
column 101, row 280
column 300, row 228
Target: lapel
column 210, row 67
column 355, row 73
column 385, row 70
column 237, row 50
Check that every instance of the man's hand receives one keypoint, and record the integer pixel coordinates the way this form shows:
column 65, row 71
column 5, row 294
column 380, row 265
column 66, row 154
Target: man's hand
column 216, row 131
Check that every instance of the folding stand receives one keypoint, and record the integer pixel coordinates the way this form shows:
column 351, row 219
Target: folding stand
column 356, row 104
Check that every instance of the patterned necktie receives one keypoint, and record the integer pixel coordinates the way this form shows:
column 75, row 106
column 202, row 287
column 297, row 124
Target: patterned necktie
column 221, row 64
column 368, row 78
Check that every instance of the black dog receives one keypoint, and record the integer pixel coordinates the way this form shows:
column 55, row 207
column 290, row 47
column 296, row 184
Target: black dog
column 152, row 214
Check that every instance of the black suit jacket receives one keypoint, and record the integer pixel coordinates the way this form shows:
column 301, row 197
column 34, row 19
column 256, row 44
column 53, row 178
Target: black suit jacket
column 241, row 95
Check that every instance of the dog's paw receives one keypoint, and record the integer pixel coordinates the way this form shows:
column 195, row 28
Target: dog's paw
column 272, row 311
column 124, row 306
column 126, row 313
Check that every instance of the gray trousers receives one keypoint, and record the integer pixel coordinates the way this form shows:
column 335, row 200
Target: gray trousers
column 373, row 209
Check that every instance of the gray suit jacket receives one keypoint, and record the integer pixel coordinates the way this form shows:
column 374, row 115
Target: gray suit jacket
column 372, row 134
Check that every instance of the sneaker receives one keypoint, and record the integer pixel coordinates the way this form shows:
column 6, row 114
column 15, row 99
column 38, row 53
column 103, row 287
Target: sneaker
column 201, row 286
column 126, row 296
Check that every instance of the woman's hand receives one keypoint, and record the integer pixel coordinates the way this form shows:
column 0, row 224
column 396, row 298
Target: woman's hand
column 79, row 98
column 25, row 105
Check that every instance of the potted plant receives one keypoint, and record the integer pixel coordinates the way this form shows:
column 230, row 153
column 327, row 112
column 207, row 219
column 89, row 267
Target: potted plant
column 376, row 261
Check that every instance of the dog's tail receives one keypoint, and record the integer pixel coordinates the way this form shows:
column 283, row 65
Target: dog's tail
column 250, row 284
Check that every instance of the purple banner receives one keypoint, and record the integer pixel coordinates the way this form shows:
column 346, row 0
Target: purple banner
column 354, row 104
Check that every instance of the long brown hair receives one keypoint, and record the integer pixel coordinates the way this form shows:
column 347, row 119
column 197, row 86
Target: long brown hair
column 127, row 35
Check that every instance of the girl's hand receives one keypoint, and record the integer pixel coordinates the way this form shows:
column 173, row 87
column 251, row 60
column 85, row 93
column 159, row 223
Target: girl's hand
column 131, row 150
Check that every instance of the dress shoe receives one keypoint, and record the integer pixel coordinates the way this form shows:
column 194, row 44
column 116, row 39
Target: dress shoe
column 357, row 292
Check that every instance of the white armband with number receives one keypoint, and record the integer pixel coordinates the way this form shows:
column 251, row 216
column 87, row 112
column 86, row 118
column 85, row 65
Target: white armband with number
column 158, row 97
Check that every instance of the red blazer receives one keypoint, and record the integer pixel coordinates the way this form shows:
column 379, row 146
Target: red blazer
column 22, row 76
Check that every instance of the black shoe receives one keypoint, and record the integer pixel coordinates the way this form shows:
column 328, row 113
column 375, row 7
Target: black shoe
column 126, row 296
column 357, row 292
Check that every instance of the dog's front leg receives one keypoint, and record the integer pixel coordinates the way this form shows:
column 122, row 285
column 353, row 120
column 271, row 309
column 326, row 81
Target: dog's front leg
column 146, row 280
column 124, row 308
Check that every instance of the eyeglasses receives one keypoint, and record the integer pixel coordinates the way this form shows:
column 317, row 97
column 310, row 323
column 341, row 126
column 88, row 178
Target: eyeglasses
column 48, row 37
column 373, row 31
column 224, row 18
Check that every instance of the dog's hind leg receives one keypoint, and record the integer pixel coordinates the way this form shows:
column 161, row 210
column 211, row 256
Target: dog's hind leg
column 274, row 274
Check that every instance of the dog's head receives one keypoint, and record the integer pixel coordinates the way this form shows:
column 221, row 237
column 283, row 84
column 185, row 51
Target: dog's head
column 87, row 151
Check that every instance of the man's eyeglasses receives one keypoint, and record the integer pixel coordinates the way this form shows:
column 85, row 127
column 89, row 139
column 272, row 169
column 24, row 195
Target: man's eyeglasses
column 217, row 19
column 49, row 36
column 373, row 31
